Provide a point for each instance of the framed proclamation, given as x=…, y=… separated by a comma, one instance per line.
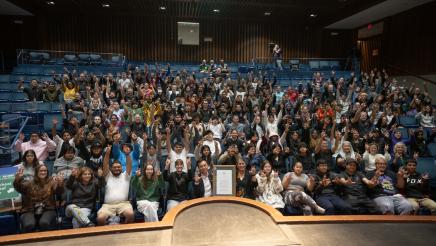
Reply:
x=224, y=180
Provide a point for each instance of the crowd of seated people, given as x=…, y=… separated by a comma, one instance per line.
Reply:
x=333, y=146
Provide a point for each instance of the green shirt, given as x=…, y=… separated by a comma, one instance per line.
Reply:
x=151, y=192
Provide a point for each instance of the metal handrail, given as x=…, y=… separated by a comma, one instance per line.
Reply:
x=73, y=52
x=23, y=124
x=409, y=73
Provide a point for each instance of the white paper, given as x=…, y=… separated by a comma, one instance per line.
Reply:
x=224, y=181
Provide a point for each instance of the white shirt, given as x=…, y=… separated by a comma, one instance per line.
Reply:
x=217, y=130
x=124, y=83
x=118, y=113
x=117, y=188
x=207, y=186
x=182, y=156
x=59, y=141
x=211, y=145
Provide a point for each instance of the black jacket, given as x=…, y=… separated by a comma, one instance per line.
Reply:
x=178, y=185
x=199, y=189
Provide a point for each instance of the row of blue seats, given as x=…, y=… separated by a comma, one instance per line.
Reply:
x=13, y=97
x=36, y=57
x=38, y=121
x=27, y=78
x=43, y=71
x=30, y=107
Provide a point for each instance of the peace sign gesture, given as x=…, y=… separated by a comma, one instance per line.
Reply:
x=20, y=173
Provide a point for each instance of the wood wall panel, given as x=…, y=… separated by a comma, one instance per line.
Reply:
x=410, y=40
x=369, y=60
x=148, y=38
x=408, y=43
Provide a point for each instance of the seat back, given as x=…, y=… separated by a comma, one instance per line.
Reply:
x=427, y=165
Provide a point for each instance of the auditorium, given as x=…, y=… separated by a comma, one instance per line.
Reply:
x=217, y=122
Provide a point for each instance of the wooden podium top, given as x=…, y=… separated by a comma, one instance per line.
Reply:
x=169, y=220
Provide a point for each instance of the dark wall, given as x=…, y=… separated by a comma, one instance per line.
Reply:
x=14, y=36
x=145, y=38
x=408, y=42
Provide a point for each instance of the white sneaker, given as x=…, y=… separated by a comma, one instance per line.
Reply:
x=319, y=210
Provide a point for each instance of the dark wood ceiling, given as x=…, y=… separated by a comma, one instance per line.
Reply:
x=291, y=11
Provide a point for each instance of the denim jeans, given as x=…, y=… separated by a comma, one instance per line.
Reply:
x=333, y=204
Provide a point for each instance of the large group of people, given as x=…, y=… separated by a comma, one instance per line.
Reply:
x=331, y=146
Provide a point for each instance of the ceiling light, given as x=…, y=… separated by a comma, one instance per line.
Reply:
x=267, y=13
x=162, y=8
x=216, y=10
x=313, y=15
x=105, y=5
x=50, y=3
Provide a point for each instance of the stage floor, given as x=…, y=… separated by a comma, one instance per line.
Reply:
x=237, y=224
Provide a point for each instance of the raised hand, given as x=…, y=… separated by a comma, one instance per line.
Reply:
x=262, y=174
x=44, y=136
x=21, y=137
x=100, y=172
x=188, y=163
x=167, y=164
x=325, y=181
x=20, y=173
x=252, y=171
x=337, y=180
x=275, y=174
x=55, y=121
x=138, y=172
x=425, y=176
x=378, y=173
x=311, y=179
x=59, y=179
x=197, y=179
x=349, y=181
x=75, y=173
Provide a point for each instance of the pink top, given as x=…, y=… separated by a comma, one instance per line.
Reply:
x=41, y=148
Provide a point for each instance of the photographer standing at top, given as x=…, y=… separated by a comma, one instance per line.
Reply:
x=277, y=55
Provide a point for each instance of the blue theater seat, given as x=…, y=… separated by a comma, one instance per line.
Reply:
x=427, y=165
x=408, y=121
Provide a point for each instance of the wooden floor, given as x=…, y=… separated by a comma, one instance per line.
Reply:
x=234, y=221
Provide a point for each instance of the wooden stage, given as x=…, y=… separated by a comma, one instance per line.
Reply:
x=237, y=221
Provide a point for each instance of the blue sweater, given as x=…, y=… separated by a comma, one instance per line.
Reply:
x=119, y=155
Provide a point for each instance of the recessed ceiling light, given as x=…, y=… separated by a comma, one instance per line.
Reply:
x=313, y=15
x=105, y=5
x=216, y=10
x=50, y=3
x=267, y=13
x=162, y=8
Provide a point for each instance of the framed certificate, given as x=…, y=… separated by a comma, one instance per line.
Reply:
x=224, y=180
